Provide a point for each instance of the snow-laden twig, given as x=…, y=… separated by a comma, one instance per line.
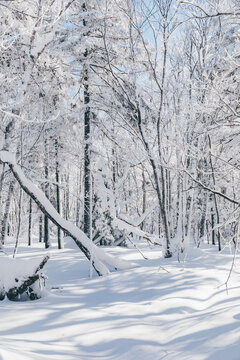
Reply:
x=212, y=190
x=136, y=247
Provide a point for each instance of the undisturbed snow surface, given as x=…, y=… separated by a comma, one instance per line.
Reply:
x=144, y=313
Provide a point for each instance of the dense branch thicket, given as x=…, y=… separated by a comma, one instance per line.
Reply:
x=126, y=115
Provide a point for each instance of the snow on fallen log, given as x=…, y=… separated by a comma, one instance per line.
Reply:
x=21, y=279
x=98, y=257
x=16, y=291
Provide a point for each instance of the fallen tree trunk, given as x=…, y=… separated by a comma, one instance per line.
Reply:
x=96, y=255
x=14, y=292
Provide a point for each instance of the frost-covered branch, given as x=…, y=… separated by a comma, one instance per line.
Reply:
x=212, y=190
x=206, y=14
x=99, y=258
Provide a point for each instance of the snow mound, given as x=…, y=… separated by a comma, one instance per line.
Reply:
x=13, y=272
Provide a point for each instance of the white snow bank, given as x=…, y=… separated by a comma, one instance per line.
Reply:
x=146, y=313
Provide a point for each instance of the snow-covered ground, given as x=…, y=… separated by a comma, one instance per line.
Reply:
x=143, y=313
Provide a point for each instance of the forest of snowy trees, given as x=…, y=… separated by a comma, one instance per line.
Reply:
x=124, y=115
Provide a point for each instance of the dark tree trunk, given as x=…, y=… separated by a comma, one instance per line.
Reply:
x=58, y=202
x=30, y=223
x=159, y=179
x=87, y=130
x=213, y=224
x=164, y=212
x=215, y=197
x=46, y=231
x=46, y=189
x=40, y=228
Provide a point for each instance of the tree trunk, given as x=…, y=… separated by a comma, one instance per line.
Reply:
x=40, y=228
x=19, y=222
x=46, y=189
x=77, y=199
x=66, y=208
x=215, y=198
x=144, y=197
x=58, y=202
x=1, y=186
x=87, y=130
x=6, y=212
x=160, y=185
x=30, y=223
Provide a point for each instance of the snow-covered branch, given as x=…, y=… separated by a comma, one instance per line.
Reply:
x=97, y=255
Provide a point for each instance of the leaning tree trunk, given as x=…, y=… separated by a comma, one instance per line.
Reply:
x=99, y=259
